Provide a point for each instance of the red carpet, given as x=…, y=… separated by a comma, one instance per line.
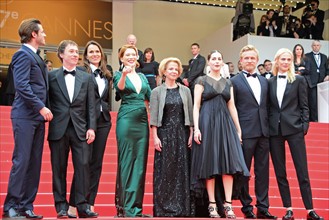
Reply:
x=317, y=142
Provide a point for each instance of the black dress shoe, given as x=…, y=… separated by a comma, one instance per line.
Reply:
x=312, y=215
x=30, y=214
x=62, y=214
x=249, y=214
x=265, y=215
x=88, y=214
x=289, y=215
x=71, y=215
x=12, y=213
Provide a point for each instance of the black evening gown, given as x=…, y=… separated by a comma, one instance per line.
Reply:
x=220, y=151
x=171, y=186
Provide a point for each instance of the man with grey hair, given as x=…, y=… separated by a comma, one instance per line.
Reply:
x=318, y=71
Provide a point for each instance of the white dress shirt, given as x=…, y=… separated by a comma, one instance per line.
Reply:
x=281, y=87
x=70, y=82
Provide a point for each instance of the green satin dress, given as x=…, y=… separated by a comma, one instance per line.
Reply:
x=132, y=133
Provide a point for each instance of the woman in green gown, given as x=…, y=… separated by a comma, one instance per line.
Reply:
x=132, y=133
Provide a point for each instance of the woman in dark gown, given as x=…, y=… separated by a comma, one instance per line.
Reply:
x=150, y=68
x=132, y=135
x=171, y=121
x=217, y=150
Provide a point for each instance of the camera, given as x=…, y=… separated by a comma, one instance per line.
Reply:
x=308, y=8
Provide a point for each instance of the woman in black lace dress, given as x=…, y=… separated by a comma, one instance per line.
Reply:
x=171, y=121
x=217, y=135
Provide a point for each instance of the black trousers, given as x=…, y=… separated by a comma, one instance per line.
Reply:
x=257, y=148
x=298, y=152
x=313, y=103
x=59, y=158
x=96, y=161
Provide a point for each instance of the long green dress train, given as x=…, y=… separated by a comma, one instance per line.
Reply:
x=132, y=133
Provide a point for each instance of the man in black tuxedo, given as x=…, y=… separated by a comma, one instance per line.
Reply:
x=28, y=114
x=196, y=68
x=250, y=94
x=317, y=73
x=285, y=23
x=268, y=69
x=289, y=121
x=72, y=101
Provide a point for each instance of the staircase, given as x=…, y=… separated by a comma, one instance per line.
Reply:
x=317, y=141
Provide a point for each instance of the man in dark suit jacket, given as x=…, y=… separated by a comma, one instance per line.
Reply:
x=250, y=94
x=196, y=68
x=28, y=114
x=72, y=101
x=313, y=20
x=317, y=73
x=285, y=23
x=268, y=68
x=288, y=117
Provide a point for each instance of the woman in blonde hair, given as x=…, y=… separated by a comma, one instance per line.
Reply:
x=132, y=134
x=171, y=122
x=289, y=121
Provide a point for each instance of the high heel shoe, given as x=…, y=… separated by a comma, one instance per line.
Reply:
x=228, y=210
x=213, y=211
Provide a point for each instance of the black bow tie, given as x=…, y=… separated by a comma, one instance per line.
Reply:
x=316, y=53
x=38, y=51
x=282, y=76
x=69, y=72
x=98, y=72
x=253, y=75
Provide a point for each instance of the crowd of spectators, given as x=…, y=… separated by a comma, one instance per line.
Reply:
x=309, y=26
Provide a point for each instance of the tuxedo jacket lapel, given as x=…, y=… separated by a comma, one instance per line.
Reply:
x=274, y=90
x=105, y=91
x=62, y=84
x=286, y=94
x=96, y=85
x=248, y=86
x=77, y=85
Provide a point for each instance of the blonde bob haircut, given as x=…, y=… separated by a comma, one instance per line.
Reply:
x=291, y=71
x=164, y=63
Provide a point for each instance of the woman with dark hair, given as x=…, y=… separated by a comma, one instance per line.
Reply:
x=217, y=151
x=95, y=63
x=150, y=67
x=301, y=63
x=261, y=26
x=132, y=133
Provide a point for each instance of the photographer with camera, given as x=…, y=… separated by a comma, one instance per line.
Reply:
x=299, y=31
x=269, y=27
x=313, y=21
x=286, y=23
